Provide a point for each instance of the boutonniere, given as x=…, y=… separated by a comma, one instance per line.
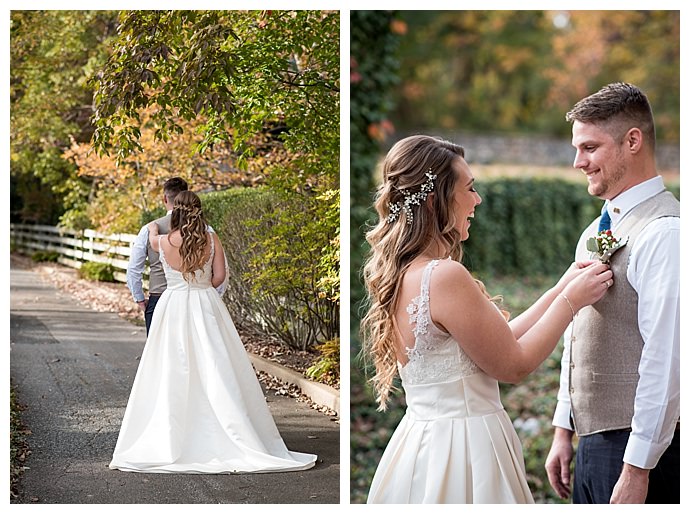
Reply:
x=605, y=245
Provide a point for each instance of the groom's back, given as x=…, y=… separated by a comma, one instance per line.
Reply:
x=157, y=283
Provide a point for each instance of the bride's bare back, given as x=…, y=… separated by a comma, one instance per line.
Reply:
x=171, y=247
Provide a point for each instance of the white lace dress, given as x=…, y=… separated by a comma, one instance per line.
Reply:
x=455, y=444
x=196, y=405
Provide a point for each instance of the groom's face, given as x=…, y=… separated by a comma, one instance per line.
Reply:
x=601, y=158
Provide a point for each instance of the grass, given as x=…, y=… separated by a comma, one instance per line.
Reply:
x=529, y=404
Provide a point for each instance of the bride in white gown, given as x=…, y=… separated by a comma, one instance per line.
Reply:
x=196, y=405
x=435, y=326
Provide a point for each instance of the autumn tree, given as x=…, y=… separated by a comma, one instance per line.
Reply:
x=261, y=84
x=641, y=47
x=52, y=54
x=129, y=193
x=520, y=71
x=270, y=74
x=476, y=70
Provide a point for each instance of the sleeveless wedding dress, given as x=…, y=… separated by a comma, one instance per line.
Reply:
x=456, y=443
x=196, y=405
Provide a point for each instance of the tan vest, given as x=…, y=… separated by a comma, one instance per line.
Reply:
x=606, y=345
x=157, y=282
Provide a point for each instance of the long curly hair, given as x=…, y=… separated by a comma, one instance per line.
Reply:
x=188, y=217
x=394, y=245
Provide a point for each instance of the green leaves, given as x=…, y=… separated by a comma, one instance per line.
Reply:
x=241, y=69
x=283, y=268
x=373, y=76
x=52, y=53
x=97, y=271
x=605, y=245
x=592, y=245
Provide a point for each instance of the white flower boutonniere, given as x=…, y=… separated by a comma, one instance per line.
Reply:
x=605, y=245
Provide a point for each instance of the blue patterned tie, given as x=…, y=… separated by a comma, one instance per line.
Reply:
x=605, y=221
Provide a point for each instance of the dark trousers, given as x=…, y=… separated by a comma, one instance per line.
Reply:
x=599, y=463
x=148, y=313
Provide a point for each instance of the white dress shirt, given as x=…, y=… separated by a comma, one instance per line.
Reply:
x=137, y=264
x=654, y=272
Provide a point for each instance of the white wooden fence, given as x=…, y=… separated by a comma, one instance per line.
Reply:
x=75, y=248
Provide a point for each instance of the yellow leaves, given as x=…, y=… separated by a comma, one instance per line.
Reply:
x=122, y=192
x=89, y=164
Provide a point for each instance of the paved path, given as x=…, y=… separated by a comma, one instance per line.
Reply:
x=74, y=368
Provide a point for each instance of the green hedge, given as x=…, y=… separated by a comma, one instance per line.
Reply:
x=229, y=212
x=274, y=266
x=523, y=227
x=527, y=226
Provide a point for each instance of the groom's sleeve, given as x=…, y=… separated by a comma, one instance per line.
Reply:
x=137, y=262
x=562, y=417
x=654, y=272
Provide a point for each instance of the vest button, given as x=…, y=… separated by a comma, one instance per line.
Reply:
x=572, y=365
x=572, y=390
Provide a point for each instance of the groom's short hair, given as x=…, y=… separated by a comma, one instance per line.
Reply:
x=620, y=106
x=174, y=186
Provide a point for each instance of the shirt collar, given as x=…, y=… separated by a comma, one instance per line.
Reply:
x=169, y=212
x=621, y=205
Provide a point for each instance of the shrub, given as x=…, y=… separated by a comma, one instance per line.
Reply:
x=274, y=244
x=527, y=226
x=45, y=256
x=327, y=367
x=228, y=213
x=98, y=271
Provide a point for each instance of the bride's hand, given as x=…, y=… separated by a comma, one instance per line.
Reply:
x=153, y=228
x=572, y=272
x=589, y=285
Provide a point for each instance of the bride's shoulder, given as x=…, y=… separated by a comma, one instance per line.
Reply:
x=445, y=276
x=449, y=269
x=449, y=277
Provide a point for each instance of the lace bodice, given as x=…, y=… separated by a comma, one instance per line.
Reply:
x=174, y=278
x=435, y=356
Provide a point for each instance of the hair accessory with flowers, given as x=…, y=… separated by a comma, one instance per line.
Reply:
x=605, y=245
x=411, y=199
